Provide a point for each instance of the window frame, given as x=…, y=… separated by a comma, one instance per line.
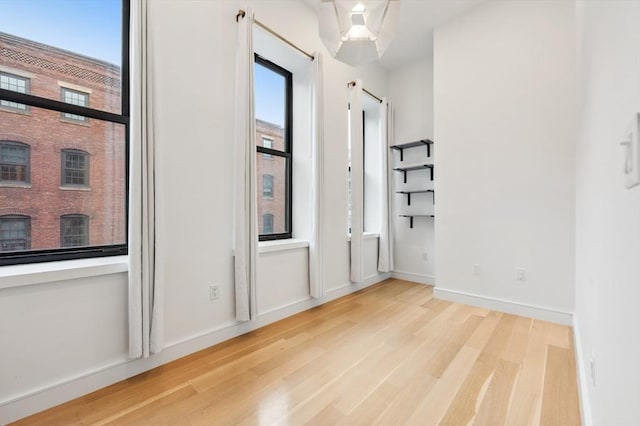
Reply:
x=63, y=167
x=77, y=118
x=267, y=178
x=85, y=225
x=27, y=81
x=287, y=153
x=22, y=217
x=27, y=148
x=264, y=217
x=270, y=140
x=123, y=118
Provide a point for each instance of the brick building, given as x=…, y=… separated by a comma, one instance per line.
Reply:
x=271, y=176
x=62, y=176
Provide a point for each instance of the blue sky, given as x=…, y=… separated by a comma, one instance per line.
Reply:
x=270, y=95
x=90, y=27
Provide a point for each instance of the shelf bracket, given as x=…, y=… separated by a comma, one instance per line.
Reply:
x=405, y=176
x=411, y=222
x=428, y=150
x=408, y=198
x=431, y=170
x=401, y=154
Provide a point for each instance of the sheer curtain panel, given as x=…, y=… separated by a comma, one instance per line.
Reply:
x=385, y=248
x=357, y=174
x=146, y=280
x=245, y=227
x=316, y=248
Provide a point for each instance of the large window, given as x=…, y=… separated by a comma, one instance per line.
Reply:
x=15, y=84
x=75, y=168
x=74, y=230
x=14, y=163
x=69, y=85
x=273, y=99
x=15, y=233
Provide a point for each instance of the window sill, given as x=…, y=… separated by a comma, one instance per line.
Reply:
x=366, y=236
x=281, y=245
x=74, y=188
x=41, y=273
x=15, y=185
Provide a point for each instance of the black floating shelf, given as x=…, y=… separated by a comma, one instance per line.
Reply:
x=422, y=142
x=419, y=191
x=416, y=167
x=411, y=216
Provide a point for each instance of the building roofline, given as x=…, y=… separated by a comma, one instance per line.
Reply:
x=38, y=45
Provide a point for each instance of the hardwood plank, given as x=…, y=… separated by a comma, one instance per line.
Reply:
x=560, y=398
x=390, y=354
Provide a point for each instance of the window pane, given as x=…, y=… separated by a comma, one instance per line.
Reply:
x=14, y=162
x=270, y=99
x=93, y=183
x=74, y=231
x=272, y=194
x=14, y=233
x=37, y=40
x=15, y=84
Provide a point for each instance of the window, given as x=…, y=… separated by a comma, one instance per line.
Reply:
x=15, y=84
x=267, y=223
x=15, y=233
x=75, y=97
x=267, y=186
x=74, y=230
x=273, y=103
x=267, y=143
x=75, y=168
x=58, y=75
x=14, y=162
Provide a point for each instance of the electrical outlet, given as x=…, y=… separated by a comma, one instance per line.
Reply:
x=592, y=369
x=521, y=275
x=476, y=269
x=214, y=292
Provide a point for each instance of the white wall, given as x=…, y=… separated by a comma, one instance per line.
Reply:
x=69, y=338
x=504, y=77
x=411, y=94
x=608, y=215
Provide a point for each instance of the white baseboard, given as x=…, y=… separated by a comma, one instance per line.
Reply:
x=53, y=394
x=508, y=306
x=417, y=278
x=583, y=375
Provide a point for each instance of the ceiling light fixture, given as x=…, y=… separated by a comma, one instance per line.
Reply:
x=358, y=31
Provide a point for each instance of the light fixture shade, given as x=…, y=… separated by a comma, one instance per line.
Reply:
x=358, y=31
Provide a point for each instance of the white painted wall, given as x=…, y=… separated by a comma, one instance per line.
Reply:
x=69, y=338
x=608, y=216
x=411, y=95
x=504, y=77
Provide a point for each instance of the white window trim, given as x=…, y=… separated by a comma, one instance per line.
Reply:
x=46, y=272
x=281, y=245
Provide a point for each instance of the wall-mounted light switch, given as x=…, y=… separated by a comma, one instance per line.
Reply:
x=631, y=154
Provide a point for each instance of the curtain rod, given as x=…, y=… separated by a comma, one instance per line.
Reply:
x=353, y=83
x=241, y=14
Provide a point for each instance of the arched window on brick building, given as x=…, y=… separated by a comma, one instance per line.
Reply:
x=15, y=233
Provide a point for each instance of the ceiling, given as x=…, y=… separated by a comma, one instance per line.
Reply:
x=414, y=36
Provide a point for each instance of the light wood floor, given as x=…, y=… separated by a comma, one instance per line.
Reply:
x=387, y=355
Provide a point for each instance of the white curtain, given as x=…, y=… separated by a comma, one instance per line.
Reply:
x=357, y=177
x=385, y=248
x=146, y=281
x=245, y=226
x=316, y=252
